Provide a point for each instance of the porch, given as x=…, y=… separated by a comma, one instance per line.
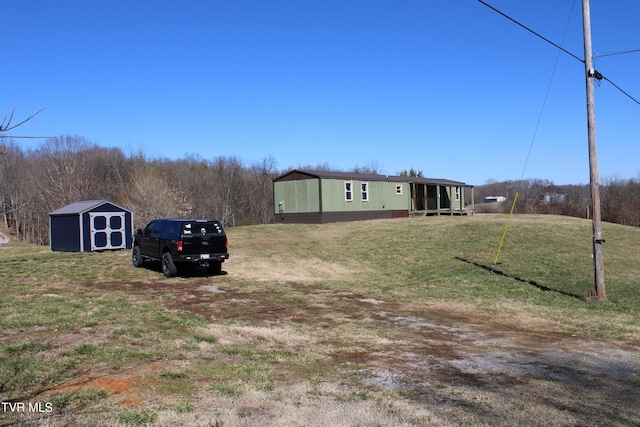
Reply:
x=441, y=199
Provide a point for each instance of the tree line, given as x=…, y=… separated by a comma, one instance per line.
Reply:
x=619, y=199
x=67, y=169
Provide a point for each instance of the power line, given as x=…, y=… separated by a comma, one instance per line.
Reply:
x=601, y=55
x=546, y=96
x=532, y=32
x=620, y=89
x=596, y=74
x=29, y=137
x=600, y=77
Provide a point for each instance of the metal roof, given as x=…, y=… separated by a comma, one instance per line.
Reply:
x=369, y=177
x=81, y=207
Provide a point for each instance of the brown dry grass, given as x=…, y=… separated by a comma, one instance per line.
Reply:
x=293, y=335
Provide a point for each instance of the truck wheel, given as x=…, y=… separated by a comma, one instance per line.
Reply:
x=136, y=257
x=169, y=269
x=214, y=267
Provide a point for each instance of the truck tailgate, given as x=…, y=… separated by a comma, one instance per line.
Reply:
x=203, y=239
x=204, y=244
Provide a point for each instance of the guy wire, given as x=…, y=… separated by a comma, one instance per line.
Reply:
x=535, y=132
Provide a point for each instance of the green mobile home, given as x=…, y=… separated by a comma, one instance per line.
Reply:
x=318, y=196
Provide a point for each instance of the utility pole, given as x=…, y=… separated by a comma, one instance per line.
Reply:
x=591, y=74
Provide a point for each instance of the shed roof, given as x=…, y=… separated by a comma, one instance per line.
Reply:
x=301, y=173
x=81, y=207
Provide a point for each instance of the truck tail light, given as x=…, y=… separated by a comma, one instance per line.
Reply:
x=226, y=244
x=179, y=245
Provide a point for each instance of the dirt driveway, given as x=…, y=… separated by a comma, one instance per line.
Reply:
x=458, y=364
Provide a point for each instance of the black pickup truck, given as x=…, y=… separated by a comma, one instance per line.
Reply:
x=180, y=241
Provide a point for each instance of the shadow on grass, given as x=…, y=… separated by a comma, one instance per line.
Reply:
x=184, y=270
x=493, y=270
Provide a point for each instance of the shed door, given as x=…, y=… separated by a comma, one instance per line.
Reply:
x=107, y=230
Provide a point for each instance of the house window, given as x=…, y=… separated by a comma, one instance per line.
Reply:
x=399, y=190
x=348, y=191
x=365, y=191
x=457, y=193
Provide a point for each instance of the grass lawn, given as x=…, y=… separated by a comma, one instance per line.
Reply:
x=389, y=322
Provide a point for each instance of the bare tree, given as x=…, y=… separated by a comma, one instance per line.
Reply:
x=64, y=173
x=149, y=194
x=5, y=126
x=12, y=166
x=227, y=187
x=260, y=191
x=8, y=118
x=620, y=201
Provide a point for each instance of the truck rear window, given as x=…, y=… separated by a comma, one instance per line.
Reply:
x=202, y=228
x=172, y=230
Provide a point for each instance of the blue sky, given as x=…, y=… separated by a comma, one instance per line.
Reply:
x=447, y=87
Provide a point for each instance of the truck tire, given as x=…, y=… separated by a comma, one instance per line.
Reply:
x=136, y=257
x=169, y=269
